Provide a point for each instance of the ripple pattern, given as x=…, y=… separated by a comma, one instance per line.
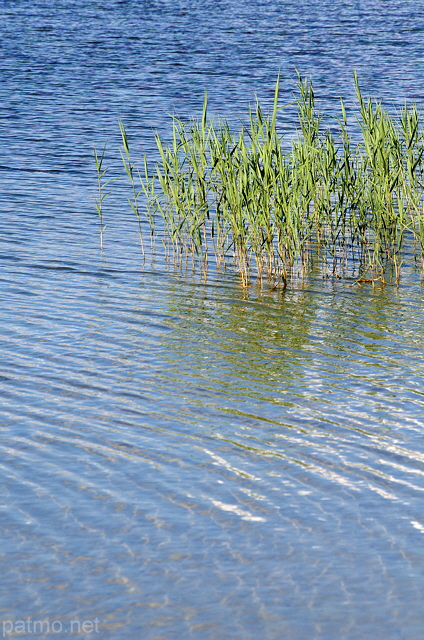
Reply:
x=181, y=459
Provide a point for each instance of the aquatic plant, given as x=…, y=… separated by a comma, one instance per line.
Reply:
x=273, y=208
x=101, y=172
x=130, y=170
x=101, y=196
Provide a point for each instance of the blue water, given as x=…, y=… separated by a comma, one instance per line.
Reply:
x=181, y=458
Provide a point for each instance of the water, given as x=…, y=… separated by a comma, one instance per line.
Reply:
x=182, y=459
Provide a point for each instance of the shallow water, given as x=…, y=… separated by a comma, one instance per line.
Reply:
x=182, y=458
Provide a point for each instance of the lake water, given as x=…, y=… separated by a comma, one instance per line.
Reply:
x=180, y=458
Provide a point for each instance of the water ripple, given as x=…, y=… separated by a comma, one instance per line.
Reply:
x=181, y=458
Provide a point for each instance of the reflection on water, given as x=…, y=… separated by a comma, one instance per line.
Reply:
x=246, y=459
x=182, y=459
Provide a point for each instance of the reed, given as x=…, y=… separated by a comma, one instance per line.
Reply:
x=272, y=207
x=131, y=171
x=101, y=194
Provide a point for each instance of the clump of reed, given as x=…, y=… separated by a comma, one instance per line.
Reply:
x=272, y=208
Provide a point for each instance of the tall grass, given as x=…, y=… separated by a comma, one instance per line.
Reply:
x=270, y=206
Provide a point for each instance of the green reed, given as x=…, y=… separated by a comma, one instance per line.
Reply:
x=131, y=171
x=272, y=207
x=101, y=194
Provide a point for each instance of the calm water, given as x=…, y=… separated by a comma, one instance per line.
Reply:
x=182, y=459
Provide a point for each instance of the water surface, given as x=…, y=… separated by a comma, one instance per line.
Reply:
x=181, y=458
